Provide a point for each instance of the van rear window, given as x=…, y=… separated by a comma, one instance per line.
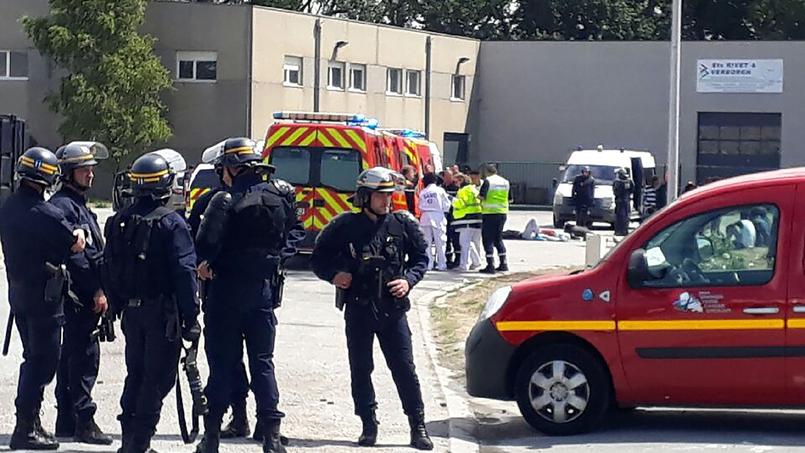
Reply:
x=340, y=168
x=293, y=165
x=205, y=178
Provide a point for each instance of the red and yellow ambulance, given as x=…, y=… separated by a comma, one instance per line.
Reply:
x=322, y=154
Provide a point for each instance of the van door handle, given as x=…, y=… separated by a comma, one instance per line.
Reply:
x=761, y=311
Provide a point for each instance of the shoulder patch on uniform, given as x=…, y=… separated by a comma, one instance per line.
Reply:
x=283, y=186
x=404, y=216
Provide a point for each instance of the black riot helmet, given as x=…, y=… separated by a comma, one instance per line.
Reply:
x=79, y=154
x=38, y=165
x=238, y=152
x=151, y=176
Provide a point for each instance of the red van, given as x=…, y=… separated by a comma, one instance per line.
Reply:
x=693, y=308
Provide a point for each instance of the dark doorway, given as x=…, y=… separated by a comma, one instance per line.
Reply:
x=732, y=144
x=456, y=148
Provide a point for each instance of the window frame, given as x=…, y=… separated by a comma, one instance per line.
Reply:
x=453, y=79
x=718, y=214
x=288, y=67
x=336, y=65
x=361, y=67
x=195, y=57
x=7, y=75
x=418, y=92
x=389, y=90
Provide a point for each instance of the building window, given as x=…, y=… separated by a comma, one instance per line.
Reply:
x=200, y=66
x=413, y=82
x=335, y=75
x=732, y=144
x=459, y=84
x=292, y=70
x=357, y=77
x=13, y=64
x=394, y=81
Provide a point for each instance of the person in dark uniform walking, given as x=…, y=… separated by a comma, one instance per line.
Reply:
x=374, y=258
x=622, y=188
x=81, y=353
x=247, y=232
x=150, y=265
x=37, y=240
x=583, y=196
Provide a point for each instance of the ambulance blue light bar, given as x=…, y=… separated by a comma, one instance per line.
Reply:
x=321, y=116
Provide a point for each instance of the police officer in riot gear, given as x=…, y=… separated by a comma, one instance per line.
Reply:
x=247, y=231
x=238, y=426
x=37, y=240
x=150, y=267
x=622, y=188
x=375, y=258
x=80, y=355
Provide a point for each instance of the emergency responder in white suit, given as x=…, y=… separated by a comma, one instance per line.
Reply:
x=434, y=204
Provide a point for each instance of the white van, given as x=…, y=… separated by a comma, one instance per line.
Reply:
x=603, y=165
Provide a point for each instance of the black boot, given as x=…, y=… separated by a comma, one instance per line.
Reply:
x=26, y=437
x=65, y=423
x=272, y=442
x=258, y=431
x=212, y=435
x=490, y=267
x=419, y=434
x=503, y=267
x=239, y=425
x=140, y=440
x=41, y=430
x=88, y=432
x=125, y=434
x=369, y=433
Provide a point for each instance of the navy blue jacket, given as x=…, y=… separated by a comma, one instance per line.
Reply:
x=32, y=232
x=83, y=266
x=172, y=254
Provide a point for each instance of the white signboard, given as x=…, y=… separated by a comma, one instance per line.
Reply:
x=739, y=76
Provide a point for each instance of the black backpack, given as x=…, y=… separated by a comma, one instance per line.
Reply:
x=127, y=271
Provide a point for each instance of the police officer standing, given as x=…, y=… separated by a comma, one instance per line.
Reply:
x=622, y=188
x=374, y=258
x=246, y=233
x=151, y=269
x=36, y=240
x=583, y=196
x=80, y=355
x=494, y=196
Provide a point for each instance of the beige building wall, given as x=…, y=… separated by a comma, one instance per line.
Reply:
x=278, y=34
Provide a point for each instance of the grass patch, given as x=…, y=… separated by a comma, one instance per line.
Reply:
x=100, y=204
x=454, y=316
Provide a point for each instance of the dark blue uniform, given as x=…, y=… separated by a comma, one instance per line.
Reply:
x=397, y=242
x=240, y=380
x=239, y=305
x=151, y=322
x=34, y=232
x=80, y=355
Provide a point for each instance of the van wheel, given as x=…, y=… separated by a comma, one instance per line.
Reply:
x=562, y=390
x=558, y=223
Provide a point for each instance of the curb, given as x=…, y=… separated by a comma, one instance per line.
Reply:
x=462, y=424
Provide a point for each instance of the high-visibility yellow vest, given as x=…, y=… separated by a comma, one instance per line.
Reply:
x=466, y=203
x=497, y=197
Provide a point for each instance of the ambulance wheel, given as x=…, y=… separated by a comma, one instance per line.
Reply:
x=558, y=223
x=562, y=390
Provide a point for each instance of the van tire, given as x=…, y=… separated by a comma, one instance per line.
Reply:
x=558, y=223
x=569, y=376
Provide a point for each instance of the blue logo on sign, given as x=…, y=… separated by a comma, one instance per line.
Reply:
x=587, y=295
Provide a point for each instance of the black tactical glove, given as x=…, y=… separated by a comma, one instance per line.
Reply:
x=191, y=330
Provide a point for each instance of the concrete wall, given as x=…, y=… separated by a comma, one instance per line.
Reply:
x=278, y=33
x=204, y=113
x=535, y=101
x=25, y=98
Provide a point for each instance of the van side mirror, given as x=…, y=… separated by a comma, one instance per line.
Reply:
x=554, y=183
x=562, y=167
x=638, y=269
